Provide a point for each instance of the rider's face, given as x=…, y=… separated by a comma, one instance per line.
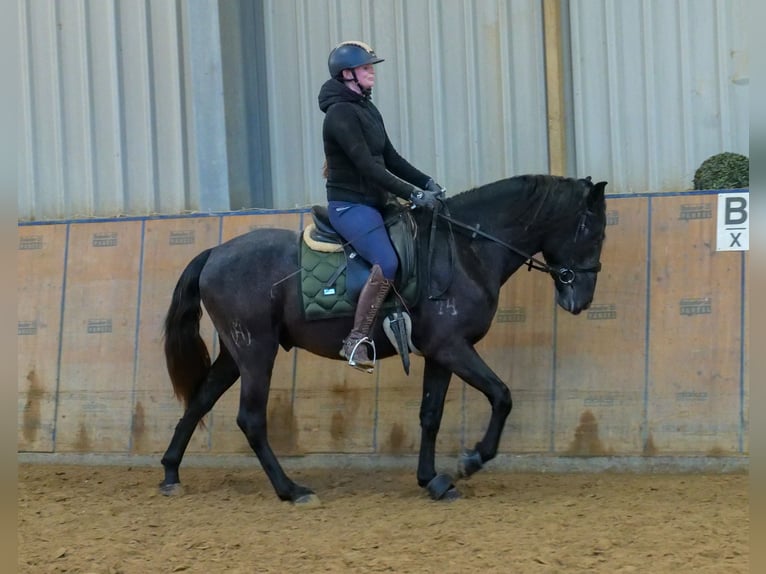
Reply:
x=365, y=75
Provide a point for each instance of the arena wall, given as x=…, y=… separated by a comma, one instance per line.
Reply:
x=657, y=367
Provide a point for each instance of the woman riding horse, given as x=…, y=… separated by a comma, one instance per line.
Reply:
x=249, y=286
x=362, y=168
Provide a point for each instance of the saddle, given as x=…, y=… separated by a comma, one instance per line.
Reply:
x=333, y=274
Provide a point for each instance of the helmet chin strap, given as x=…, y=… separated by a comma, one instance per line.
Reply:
x=366, y=92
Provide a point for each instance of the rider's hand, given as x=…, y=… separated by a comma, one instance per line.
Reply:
x=431, y=185
x=423, y=198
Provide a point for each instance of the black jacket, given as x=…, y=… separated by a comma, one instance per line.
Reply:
x=360, y=157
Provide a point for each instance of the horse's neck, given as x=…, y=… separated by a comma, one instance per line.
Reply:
x=502, y=262
x=493, y=250
x=523, y=223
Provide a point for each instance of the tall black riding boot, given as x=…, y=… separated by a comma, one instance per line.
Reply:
x=371, y=299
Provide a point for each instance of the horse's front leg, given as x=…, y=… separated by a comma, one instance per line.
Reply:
x=469, y=366
x=436, y=379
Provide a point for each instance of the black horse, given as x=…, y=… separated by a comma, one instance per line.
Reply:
x=492, y=231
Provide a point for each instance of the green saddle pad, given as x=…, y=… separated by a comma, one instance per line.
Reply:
x=326, y=293
x=322, y=299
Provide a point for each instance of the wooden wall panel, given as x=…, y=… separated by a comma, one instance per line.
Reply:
x=600, y=354
x=694, y=331
x=226, y=437
x=658, y=365
x=168, y=246
x=744, y=434
x=99, y=337
x=40, y=280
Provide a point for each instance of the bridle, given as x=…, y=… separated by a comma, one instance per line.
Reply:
x=564, y=274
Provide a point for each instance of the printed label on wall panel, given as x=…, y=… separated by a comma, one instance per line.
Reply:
x=690, y=212
x=512, y=315
x=601, y=312
x=27, y=328
x=107, y=239
x=99, y=326
x=696, y=306
x=30, y=242
x=733, y=222
x=181, y=237
x=693, y=396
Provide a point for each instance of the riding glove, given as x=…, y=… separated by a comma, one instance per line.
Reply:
x=431, y=185
x=423, y=198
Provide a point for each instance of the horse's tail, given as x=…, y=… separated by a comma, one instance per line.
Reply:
x=186, y=354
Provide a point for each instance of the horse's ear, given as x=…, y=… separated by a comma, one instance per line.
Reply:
x=596, y=194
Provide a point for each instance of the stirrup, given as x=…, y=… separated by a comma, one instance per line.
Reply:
x=353, y=363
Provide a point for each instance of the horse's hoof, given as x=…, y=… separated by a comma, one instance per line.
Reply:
x=309, y=500
x=451, y=494
x=175, y=489
x=469, y=463
x=441, y=488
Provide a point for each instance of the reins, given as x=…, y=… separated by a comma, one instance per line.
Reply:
x=531, y=261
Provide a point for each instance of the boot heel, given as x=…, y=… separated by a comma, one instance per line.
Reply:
x=371, y=298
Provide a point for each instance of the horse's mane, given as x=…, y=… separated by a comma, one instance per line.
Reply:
x=524, y=197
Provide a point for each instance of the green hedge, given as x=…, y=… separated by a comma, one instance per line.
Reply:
x=725, y=170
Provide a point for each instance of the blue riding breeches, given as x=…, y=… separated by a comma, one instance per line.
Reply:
x=362, y=226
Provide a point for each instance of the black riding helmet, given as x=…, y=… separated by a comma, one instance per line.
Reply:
x=348, y=55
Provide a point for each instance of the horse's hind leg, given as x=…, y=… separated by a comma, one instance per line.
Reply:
x=223, y=374
x=254, y=394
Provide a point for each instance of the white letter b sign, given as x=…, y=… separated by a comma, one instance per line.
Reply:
x=733, y=222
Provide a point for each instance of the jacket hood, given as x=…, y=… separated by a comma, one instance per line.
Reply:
x=333, y=92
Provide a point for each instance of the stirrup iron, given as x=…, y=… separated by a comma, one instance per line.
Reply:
x=353, y=363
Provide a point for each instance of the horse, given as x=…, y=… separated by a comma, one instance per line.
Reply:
x=470, y=248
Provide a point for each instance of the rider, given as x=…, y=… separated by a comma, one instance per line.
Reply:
x=362, y=169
